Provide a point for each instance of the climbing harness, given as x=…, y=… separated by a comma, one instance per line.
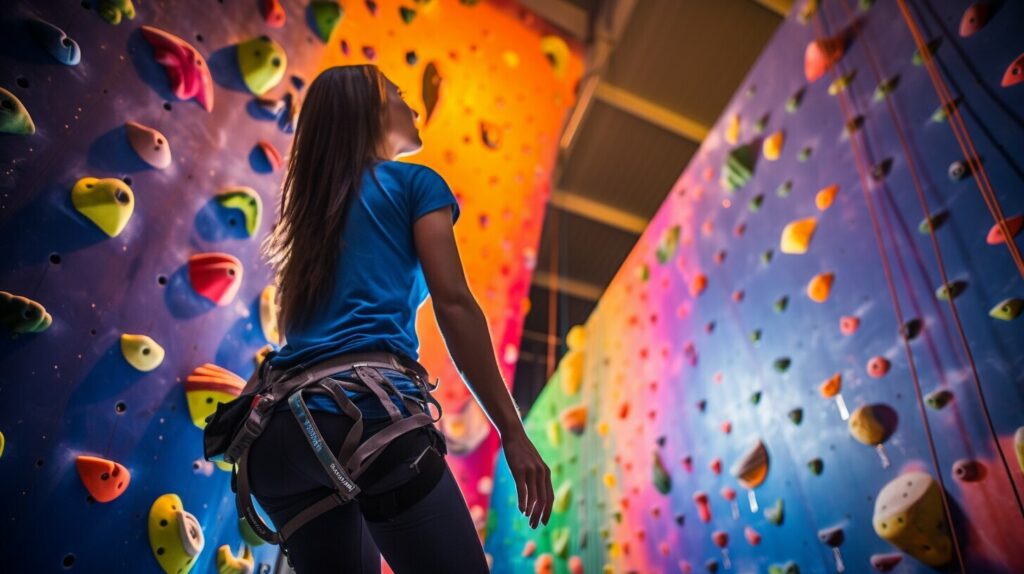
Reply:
x=236, y=425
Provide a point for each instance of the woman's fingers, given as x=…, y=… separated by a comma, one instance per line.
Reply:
x=550, y=496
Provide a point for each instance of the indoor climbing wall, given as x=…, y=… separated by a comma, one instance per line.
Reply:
x=813, y=359
x=142, y=149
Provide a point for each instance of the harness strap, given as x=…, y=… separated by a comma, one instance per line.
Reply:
x=376, y=383
x=343, y=483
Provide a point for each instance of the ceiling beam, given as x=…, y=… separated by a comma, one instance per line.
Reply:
x=599, y=212
x=561, y=13
x=651, y=112
x=780, y=7
x=574, y=287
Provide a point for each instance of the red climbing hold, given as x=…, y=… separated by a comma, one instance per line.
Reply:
x=821, y=55
x=878, y=366
x=716, y=466
x=186, y=68
x=216, y=276
x=974, y=19
x=273, y=13
x=701, y=499
x=270, y=154
x=104, y=479
x=848, y=324
x=752, y=536
x=1015, y=73
x=688, y=463
x=1013, y=224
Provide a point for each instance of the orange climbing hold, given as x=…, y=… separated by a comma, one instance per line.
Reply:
x=820, y=286
x=796, y=237
x=698, y=284
x=1015, y=73
x=574, y=419
x=823, y=200
x=215, y=276
x=273, y=13
x=1013, y=225
x=772, y=146
x=821, y=55
x=831, y=387
x=104, y=479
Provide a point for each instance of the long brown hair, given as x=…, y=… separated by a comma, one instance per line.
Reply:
x=338, y=134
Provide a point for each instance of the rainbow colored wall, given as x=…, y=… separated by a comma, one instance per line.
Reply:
x=743, y=392
x=99, y=271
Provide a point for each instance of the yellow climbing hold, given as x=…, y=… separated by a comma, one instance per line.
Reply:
x=820, y=286
x=262, y=62
x=268, y=315
x=174, y=535
x=732, y=129
x=796, y=236
x=865, y=426
x=909, y=515
x=841, y=83
x=107, y=202
x=14, y=118
x=3, y=442
x=246, y=200
x=23, y=315
x=772, y=147
x=609, y=480
x=228, y=563
x=208, y=386
x=825, y=197
x=141, y=352
x=1018, y=445
x=563, y=496
x=554, y=432
x=602, y=428
x=557, y=52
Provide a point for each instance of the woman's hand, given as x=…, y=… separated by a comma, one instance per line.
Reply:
x=532, y=476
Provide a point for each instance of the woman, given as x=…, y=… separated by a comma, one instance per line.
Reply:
x=360, y=241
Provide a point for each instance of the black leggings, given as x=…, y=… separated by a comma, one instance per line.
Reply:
x=434, y=534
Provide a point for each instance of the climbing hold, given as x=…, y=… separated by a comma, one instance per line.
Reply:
x=215, y=276
x=1013, y=225
x=268, y=315
x=407, y=14
x=751, y=469
x=950, y=290
x=772, y=146
x=716, y=466
x=775, y=514
x=938, y=399
x=821, y=55
x=1007, y=309
x=563, y=496
x=662, y=479
x=885, y=562
x=262, y=63
x=249, y=535
x=175, y=536
x=207, y=386
x=114, y=10
x=796, y=416
x=432, y=81
x=781, y=364
x=878, y=366
x=698, y=284
x=14, y=118
x=755, y=397
x=687, y=462
x=23, y=315
x=784, y=189
x=575, y=565
x=796, y=236
x=852, y=126
x=667, y=244
x=325, y=15
x=141, y=352
x=552, y=429
x=911, y=329
x=787, y=568
x=150, y=144
x=909, y=515
x=761, y=123
x=918, y=58
x=865, y=426
x=712, y=565
x=55, y=42
x=958, y=170
x=794, y=101
x=755, y=337
x=881, y=170
x=848, y=324
x=780, y=304
x=738, y=168
x=974, y=19
x=831, y=386
x=752, y=536
x=942, y=112
x=726, y=427
x=556, y=51
x=411, y=58
x=886, y=87
x=820, y=286
x=933, y=222
x=529, y=548
x=700, y=498
x=732, y=129
x=186, y=68
x=966, y=470
x=1018, y=446
x=246, y=200
x=269, y=154
x=104, y=479
x=107, y=202
x=560, y=541
x=273, y=13
x=805, y=153
x=833, y=537
x=574, y=419
x=3, y=442
x=816, y=466
x=228, y=563
x=824, y=198
x=1014, y=73
x=490, y=134
x=840, y=84
x=271, y=108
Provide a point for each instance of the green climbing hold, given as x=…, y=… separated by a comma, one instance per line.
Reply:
x=804, y=154
x=885, y=87
x=755, y=336
x=780, y=304
x=787, y=568
x=911, y=329
x=781, y=364
x=107, y=202
x=942, y=112
x=754, y=205
x=560, y=541
x=249, y=535
x=930, y=49
x=784, y=188
x=865, y=5
x=796, y=416
x=761, y=123
x=816, y=465
x=938, y=399
x=667, y=246
x=1007, y=309
x=794, y=101
x=326, y=15
x=114, y=10
x=766, y=256
x=951, y=290
x=23, y=315
x=755, y=398
x=262, y=62
x=563, y=496
x=932, y=223
x=775, y=513
x=14, y=118
x=246, y=200
x=662, y=480
x=738, y=168
x=407, y=14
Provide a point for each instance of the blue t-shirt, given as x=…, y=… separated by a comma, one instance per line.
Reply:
x=379, y=283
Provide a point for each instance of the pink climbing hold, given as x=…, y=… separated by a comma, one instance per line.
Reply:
x=703, y=508
x=974, y=19
x=752, y=536
x=1015, y=73
x=878, y=366
x=821, y=55
x=575, y=565
x=104, y=479
x=270, y=154
x=716, y=466
x=273, y=13
x=728, y=493
x=885, y=562
x=185, y=67
x=1013, y=225
x=687, y=463
x=848, y=324
x=727, y=427
x=215, y=276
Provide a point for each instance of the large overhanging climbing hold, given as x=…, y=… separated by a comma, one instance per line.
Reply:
x=822, y=54
x=114, y=11
x=465, y=428
x=738, y=167
x=432, y=82
x=14, y=118
x=186, y=68
x=268, y=315
x=262, y=62
x=325, y=17
x=556, y=51
x=228, y=563
x=23, y=315
x=151, y=145
x=175, y=536
x=247, y=201
x=141, y=352
x=1014, y=73
x=215, y=276
x=107, y=202
x=796, y=236
x=104, y=479
x=56, y=42
x=208, y=386
x=909, y=515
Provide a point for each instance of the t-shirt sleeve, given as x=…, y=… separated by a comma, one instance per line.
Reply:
x=431, y=192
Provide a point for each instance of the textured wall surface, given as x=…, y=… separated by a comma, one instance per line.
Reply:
x=68, y=390
x=693, y=356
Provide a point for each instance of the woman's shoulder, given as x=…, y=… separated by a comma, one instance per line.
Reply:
x=408, y=170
